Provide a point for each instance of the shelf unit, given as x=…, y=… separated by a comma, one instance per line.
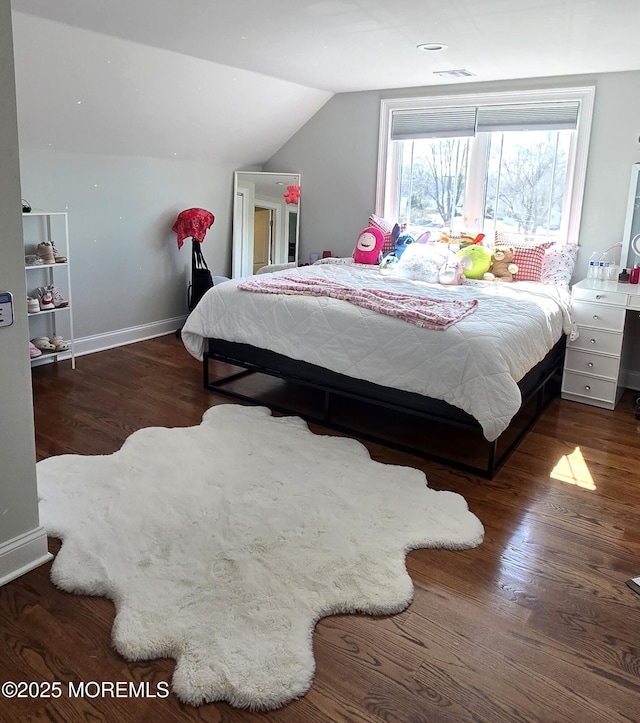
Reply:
x=49, y=226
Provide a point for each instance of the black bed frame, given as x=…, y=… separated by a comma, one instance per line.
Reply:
x=538, y=388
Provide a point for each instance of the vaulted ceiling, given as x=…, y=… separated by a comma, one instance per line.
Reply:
x=233, y=81
x=353, y=45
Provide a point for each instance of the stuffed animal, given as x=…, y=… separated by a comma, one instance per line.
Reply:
x=388, y=263
x=424, y=238
x=292, y=194
x=462, y=239
x=452, y=270
x=403, y=240
x=431, y=262
x=368, y=248
x=478, y=262
x=502, y=268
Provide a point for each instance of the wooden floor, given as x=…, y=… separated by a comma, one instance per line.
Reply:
x=536, y=624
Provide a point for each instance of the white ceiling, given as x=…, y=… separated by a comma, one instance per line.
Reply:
x=371, y=44
x=84, y=92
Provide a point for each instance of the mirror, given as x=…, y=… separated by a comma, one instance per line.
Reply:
x=630, y=255
x=266, y=220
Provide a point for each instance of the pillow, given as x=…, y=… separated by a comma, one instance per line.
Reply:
x=559, y=263
x=389, y=229
x=529, y=257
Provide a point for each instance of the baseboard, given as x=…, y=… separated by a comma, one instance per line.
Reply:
x=630, y=379
x=120, y=337
x=633, y=380
x=22, y=554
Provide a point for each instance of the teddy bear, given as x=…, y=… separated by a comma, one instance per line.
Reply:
x=502, y=267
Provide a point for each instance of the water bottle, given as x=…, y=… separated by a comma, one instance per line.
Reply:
x=593, y=265
x=599, y=270
x=605, y=265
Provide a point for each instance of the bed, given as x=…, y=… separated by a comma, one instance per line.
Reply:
x=476, y=375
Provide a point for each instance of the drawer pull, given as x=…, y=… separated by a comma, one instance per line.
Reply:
x=592, y=341
x=596, y=317
x=587, y=388
x=590, y=364
x=599, y=296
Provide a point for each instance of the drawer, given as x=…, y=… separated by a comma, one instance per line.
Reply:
x=600, y=296
x=599, y=316
x=605, y=342
x=588, y=363
x=634, y=302
x=589, y=387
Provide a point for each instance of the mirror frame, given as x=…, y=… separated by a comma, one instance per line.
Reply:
x=263, y=189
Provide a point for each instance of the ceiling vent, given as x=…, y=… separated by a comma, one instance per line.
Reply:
x=462, y=73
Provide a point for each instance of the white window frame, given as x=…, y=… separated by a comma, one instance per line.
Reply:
x=577, y=161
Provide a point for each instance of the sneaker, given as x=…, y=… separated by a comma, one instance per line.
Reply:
x=45, y=251
x=33, y=307
x=32, y=260
x=45, y=300
x=34, y=351
x=58, y=299
x=59, y=258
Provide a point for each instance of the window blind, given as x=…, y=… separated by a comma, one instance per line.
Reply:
x=471, y=119
x=528, y=117
x=433, y=123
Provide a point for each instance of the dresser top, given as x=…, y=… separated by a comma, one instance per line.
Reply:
x=596, y=285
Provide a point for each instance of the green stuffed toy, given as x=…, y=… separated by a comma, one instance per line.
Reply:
x=476, y=260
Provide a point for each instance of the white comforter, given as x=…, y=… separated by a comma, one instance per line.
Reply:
x=474, y=365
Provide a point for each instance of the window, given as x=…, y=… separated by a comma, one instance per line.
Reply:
x=510, y=162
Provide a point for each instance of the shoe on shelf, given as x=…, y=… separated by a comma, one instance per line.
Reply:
x=58, y=299
x=59, y=343
x=43, y=344
x=34, y=351
x=33, y=307
x=45, y=299
x=32, y=260
x=45, y=251
x=59, y=258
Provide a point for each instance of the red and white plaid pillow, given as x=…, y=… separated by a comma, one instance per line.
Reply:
x=387, y=229
x=528, y=257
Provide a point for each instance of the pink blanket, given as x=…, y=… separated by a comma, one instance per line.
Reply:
x=419, y=310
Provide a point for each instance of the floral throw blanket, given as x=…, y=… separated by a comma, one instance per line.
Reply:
x=419, y=310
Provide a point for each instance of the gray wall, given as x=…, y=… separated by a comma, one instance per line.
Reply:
x=124, y=136
x=337, y=151
x=337, y=154
x=18, y=497
x=126, y=269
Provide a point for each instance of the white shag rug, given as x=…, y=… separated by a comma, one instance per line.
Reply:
x=221, y=545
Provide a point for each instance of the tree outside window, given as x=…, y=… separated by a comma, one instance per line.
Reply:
x=510, y=162
x=524, y=174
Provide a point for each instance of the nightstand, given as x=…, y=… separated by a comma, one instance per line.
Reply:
x=594, y=361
